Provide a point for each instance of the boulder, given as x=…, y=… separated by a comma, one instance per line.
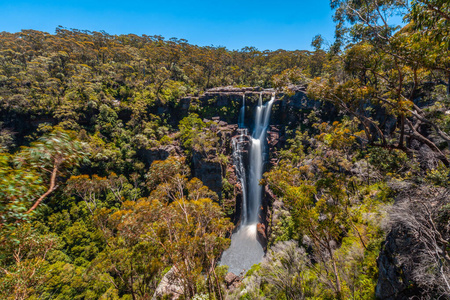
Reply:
x=233, y=281
x=170, y=286
x=230, y=278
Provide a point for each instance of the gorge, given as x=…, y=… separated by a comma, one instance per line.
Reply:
x=127, y=162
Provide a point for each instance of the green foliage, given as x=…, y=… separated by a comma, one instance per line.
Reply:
x=288, y=78
x=58, y=149
x=286, y=229
x=189, y=128
x=332, y=210
x=18, y=188
x=228, y=194
x=386, y=67
x=107, y=120
x=164, y=171
x=112, y=226
x=439, y=176
x=295, y=153
x=388, y=161
x=198, y=136
x=432, y=15
x=23, y=261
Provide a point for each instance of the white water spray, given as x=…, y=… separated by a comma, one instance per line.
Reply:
x=245, y=250
x=241, y=121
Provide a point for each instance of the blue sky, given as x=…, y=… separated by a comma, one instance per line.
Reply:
x=234, y=24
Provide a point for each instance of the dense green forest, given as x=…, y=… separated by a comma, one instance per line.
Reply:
x=361, y=185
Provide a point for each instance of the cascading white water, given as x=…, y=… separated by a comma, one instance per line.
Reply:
x=238, y=159
x=257, y=153
x=241, y=121
x=245, y=250
x=240, y=168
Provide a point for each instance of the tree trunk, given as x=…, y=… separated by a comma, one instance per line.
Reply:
x=402, y=131
x=51, y=188
x=448, y=84
x=336, y=275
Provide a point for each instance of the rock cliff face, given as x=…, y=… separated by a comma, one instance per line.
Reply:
x=225, y=102
x=412, y=259
x=160, y=153
x=265, y=217
x=394, y=279
x=209, y=171
x=215, y=168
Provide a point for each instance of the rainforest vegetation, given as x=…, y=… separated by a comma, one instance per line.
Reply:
x=362, y=197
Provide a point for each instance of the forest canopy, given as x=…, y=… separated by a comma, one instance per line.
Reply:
x=103, y=139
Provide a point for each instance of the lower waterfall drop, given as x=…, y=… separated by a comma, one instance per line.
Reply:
x=245, y=249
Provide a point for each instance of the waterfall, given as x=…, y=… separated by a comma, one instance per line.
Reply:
x=238, y=148
x=245, y=250
x=257, y=153
x=241, y=120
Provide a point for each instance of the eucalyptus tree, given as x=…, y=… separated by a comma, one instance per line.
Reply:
x=386, y=68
